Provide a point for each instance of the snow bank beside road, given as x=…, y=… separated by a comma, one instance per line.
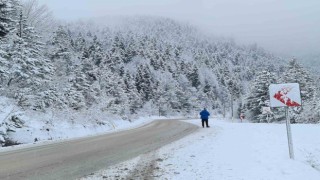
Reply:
x=26, y=127
x=231, y=151
x=38, y=131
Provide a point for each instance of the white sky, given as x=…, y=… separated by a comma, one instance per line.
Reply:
x=289, y=27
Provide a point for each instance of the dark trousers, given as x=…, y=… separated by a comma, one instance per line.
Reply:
x=205, y=121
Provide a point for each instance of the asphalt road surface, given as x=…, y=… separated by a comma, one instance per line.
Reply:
x=77, y=158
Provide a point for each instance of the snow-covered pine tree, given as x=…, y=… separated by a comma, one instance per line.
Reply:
x=4, y=19
x=60, y=45
x=95, y=52
x=116, y=54
x=295, y=73
x=9, y=10
x=315, y=118
x=29, y=71
x=116, y=97
x=211, y=93
x=80, y=44
x=169, y=98
x=184, y=103
x=258, y=96
x=131, y=50
x=8, y=24
x=145, y=82
x=193, y=77
x=31, y=37
x=60, y=50
x=134, y=99
x=85, y=79
x=155, y=60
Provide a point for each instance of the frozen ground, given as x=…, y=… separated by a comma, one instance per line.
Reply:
x=228, y=151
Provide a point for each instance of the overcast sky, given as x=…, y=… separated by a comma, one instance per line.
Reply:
x=290, y=27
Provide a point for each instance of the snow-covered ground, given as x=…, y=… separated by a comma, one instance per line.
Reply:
x=229, y=151
x=32, y=127
x=226, y=151
x=47, y=133
x=27, y=127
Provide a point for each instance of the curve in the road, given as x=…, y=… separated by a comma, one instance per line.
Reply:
x=76, y=158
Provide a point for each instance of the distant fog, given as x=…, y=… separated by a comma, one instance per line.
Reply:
x=285, y=27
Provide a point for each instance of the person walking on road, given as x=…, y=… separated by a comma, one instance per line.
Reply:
x=205, y=117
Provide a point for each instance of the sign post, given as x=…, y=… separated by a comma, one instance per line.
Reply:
x=286, y=95
x=289, y=134
x=232, y=107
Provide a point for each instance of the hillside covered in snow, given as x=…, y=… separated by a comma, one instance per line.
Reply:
x=128, y=67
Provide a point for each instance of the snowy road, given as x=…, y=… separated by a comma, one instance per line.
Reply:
x=227, y=151
x=76, y=158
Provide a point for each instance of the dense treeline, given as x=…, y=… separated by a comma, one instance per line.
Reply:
x=137, y=65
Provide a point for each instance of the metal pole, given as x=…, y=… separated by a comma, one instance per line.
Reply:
x=289, y=134
x=224, y=110
x=232, y=107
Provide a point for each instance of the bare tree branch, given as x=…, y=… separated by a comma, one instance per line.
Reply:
x=38, y=16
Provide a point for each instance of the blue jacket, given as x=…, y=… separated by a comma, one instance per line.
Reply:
x=204, y=114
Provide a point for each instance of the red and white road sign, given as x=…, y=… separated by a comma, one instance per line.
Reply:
x=285, y=95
